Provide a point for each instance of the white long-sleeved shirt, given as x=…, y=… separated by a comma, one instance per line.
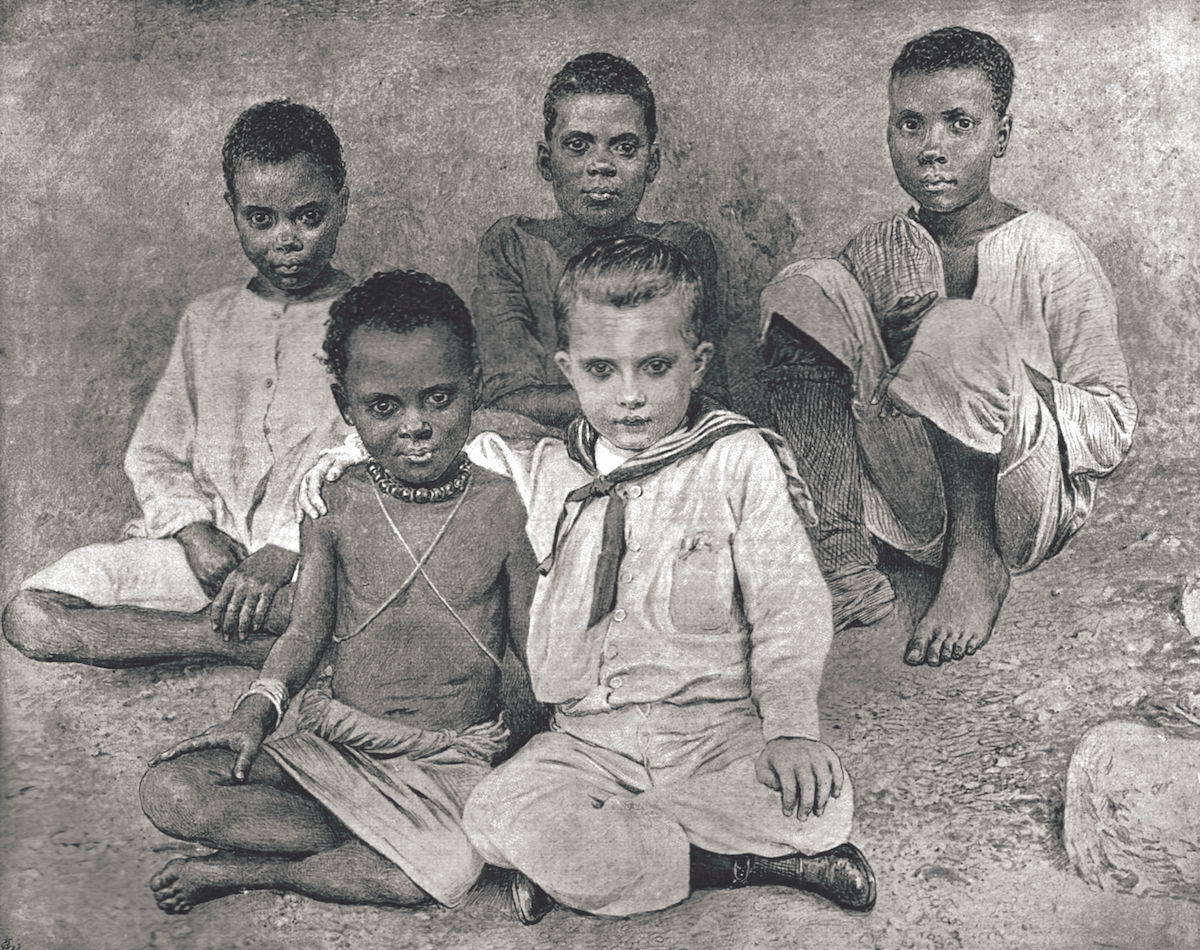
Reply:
x=238, y=416
x=719, y=596
x=1056, y=303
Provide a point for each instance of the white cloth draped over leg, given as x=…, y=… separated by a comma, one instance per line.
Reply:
x=963, y=375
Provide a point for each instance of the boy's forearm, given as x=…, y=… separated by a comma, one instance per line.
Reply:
x=294, y=658
x=554, y=406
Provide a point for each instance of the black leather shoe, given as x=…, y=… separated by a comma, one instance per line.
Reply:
x=842, y=875
x=530, y=902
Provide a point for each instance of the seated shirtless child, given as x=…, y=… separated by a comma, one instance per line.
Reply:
x=239, y=414
x=985, y=390
x=599, y=153
x=417, y=577
x=680, y=629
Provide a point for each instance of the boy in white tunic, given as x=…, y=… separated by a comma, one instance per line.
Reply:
x=240, y=412
x=680, y=628
x=987, y=385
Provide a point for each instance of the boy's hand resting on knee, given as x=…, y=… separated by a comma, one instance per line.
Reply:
x=211, y=554
x=244, y=601
x=329, y=467
x=242, y=734
x=805, y=772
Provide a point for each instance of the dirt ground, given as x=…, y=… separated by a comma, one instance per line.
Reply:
x=960, y=774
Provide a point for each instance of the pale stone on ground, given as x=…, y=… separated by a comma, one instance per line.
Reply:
x=1132, y=818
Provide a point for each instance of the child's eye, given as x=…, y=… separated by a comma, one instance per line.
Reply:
x=439, y=400
x=259, y=219
x=964, y=124
x=657, y=367
x=600, y=370
x=310, y=219
x=625, y=149
x=576, y=145
x=909, y=125
x=383, y=407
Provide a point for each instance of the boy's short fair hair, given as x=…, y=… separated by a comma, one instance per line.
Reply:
x=399, y=301
x=627, y=271
x=956, y=47
x=600, y=74
x=279, y=130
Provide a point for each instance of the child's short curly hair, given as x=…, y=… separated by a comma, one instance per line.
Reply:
x=957, y=47
x=627, y=271
x=600, y=74
x=278, y=130
x=399, y=301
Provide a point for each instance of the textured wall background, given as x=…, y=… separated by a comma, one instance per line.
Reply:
x=111, y=118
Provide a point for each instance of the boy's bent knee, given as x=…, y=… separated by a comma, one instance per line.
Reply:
x=177, y=795
x=32, y=625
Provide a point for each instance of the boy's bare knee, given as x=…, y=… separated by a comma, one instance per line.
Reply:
x=31, y=625
x=175, y=797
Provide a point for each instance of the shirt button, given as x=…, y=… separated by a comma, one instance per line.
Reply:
x=634, y=545
x=270, y=383
x=610, y=650
x=615, y=682
x=627, y=578
x=619, y=614
x=635, y=491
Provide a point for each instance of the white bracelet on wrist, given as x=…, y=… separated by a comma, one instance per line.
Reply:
x=274, y=690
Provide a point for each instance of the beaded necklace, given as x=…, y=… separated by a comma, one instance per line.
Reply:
x=389, y=484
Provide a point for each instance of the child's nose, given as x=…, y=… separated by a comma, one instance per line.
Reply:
x=933, y=149
x=287, y=238
x=413, y=425
x=632, y=397
x=600, y=165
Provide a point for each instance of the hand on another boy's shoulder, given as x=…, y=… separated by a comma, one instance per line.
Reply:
x=805, y=772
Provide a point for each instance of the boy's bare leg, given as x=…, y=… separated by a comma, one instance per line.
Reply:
x=195, y=798
x=50, y=626
x=974, y=579
x=350, y=873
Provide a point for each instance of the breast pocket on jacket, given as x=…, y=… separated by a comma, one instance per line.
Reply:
x=702, y=583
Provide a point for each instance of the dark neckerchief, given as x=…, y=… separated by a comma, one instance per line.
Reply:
x=705, y=424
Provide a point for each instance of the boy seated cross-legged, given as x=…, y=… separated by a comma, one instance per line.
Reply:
x=239, y=413
x=984, y=389
x=416, y=579
x=599, y=153
x=680, y=627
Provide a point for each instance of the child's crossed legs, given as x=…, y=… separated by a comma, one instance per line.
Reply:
x=603, y=814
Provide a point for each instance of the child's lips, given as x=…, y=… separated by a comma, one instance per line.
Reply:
x=602, y=195
x=937, y=184
x=416, y=456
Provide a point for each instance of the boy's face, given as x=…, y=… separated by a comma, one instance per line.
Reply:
x=288, y=215
x=632, y=368
x=599, y=158
x=409, y=396
x=943, y=135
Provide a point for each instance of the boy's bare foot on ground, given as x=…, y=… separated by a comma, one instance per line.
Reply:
x=186, y=882
x=963, y=613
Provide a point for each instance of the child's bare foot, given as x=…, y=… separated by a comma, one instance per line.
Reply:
x=963, y=613
x=186, y=882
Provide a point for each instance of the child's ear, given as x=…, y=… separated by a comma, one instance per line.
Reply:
x=563, y=360
x=1003, y=134
x=703, y=355
x=343, y=204
x=339, y=396
x=654, y=163
x=543, y=161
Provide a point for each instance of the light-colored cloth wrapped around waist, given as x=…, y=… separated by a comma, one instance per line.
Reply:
x=334, y=721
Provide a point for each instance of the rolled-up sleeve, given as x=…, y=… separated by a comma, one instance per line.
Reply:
x=1093, y=404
